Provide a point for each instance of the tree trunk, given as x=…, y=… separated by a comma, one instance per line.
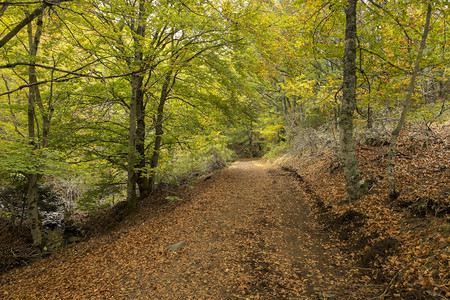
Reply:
x=132, y=152
x=284, y=105
x=167, y=86
x=393, y=194
x=33, y=216
x=369, y=117
x=136, y=97
x=141, y=177
x=355, y=186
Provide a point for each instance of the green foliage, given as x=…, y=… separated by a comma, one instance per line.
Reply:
x=248, y=77
x=105, y=190
x=194, y=163
x=430, y=113
x=24, y=159
x=277, y=150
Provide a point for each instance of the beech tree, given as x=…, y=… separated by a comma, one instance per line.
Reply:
x=136, y=103
x=153, y=42
x=33, y=68
x=302, y=48
x=355, y=186
x=39, y=159
x=34, y=98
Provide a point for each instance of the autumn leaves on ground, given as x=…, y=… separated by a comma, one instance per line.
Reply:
x=250, y=231
x=258, y=230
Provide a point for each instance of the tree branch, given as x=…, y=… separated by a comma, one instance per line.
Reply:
x=393, y=17
x=28, y=19
x=3, y=8
x=65, y=78
x=385, y=60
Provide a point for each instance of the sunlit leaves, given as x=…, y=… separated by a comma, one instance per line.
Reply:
x=23, y=159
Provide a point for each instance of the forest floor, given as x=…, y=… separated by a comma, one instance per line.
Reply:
x=259, y=230
x=402, y=243
x=251, y=232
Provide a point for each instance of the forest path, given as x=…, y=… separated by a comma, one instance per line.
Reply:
x=250, y=233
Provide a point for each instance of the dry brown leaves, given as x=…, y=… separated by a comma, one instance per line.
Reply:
x=422, y=170
x=251, y=233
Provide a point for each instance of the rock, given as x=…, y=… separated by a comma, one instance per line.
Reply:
x=177, y=246
x=52, y=220
x=72, y=234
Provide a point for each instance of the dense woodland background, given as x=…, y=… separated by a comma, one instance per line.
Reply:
x=102, y=103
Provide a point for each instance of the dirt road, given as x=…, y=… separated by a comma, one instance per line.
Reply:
x=250, y=233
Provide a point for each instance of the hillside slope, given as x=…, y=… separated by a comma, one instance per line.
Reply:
x=403, y=244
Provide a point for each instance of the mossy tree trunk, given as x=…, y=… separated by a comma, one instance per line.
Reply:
x=169, y=81
x=135, y=108
x=33, y=215
x=355, y=186
x=141, y=163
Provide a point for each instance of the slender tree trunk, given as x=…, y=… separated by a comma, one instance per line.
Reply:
x=393, y=193
x=167, y=86
x=335, y=118
x=132, y=153
x=369, y=116
x=284, y=104
x=46, y=117
x=136, y=97
x=141, y=177
x=33, y=216
x=355, y=186
x=250, y=142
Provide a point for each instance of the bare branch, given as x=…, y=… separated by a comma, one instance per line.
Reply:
x=76, y=75
x=393, y=17
x=28, y=19
x=385, y=60
x=13, y=65
x=14, y=118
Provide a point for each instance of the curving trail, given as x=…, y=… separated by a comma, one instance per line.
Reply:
x=250, y=233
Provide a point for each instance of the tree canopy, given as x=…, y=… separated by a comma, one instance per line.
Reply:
x=119, y=96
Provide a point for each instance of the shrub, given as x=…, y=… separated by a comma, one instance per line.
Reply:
x=193, y=164
x=13, y=198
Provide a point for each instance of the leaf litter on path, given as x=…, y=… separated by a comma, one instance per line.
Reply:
x=249, y=232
